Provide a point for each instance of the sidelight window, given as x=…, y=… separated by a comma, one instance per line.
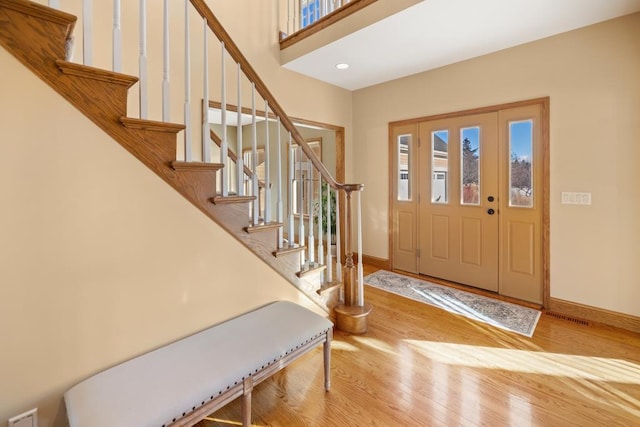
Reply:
x=403, y=167
x=440, y=166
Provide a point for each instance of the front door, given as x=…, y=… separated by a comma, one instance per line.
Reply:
x=458, y=200
x=467, y=199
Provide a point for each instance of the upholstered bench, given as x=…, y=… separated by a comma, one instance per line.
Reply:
x=183, y=382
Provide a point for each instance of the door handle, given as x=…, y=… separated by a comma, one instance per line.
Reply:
x=490, y=198
x=491, y=211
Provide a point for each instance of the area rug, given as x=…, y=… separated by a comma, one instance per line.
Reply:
x=501, y=314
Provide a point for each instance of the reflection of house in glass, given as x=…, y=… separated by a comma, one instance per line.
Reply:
x=403, y=167
x=440, y=166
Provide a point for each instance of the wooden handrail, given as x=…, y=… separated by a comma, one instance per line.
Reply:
x=235, y=53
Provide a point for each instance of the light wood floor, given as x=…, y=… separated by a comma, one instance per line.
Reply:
x=422, y=366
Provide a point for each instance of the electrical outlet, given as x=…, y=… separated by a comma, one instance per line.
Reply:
x=27, y=419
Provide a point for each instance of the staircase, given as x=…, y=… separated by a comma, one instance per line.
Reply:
x=228, y=191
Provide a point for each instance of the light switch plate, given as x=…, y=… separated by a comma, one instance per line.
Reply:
x=27, y=419
x=572, y=198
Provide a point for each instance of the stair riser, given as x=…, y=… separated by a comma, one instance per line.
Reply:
x=18, y=30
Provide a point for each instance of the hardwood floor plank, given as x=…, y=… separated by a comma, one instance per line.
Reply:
x=422, y=366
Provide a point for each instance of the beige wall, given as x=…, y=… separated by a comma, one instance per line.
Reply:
x=100, y=260
x=592, y=78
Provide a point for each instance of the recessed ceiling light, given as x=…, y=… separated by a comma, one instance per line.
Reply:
x=342, y=66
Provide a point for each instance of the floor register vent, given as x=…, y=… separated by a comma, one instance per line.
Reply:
x=569, y=318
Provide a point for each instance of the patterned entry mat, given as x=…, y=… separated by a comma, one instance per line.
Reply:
x=501, y=314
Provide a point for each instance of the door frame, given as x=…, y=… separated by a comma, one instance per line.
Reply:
x=544, y=103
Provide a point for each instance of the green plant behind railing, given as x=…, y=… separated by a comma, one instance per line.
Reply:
x=325, y=196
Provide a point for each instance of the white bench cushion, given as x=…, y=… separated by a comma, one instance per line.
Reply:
x=158, y=387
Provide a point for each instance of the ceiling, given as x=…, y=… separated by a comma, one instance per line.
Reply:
x=434, y=33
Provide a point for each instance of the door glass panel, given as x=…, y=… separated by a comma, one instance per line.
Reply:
x=470, y=167
x=520, y=167
x=404, y=163
x=440, y=166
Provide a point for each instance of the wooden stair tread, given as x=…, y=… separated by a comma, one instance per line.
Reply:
x=196, y=166
x=144, y=124
x=329, y=287
x=223, y=200
x=286, y=250
x=311, y=269
x=79, y=70
x=40, y=11
x=263, y=227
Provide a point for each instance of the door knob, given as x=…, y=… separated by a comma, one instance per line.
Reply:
x=491, y=211
x=490, y=198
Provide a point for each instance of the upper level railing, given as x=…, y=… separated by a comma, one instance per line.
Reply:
x=178, y=67
x=302, y=13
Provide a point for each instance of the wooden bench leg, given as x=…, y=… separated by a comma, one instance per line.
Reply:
x=246, y=402
x=327, y=360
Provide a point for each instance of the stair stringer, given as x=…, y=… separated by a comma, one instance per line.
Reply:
x=36, y=35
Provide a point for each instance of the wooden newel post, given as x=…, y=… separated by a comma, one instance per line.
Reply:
x=349, y=273
x=351, y=317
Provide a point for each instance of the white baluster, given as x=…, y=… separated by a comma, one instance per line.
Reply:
x=360, y=267
x=301, y=13
x=329, y=229
x=300, y=183
x=144, y=114
x=87, y=32
x=311, y=239
x=267, y=166
x=320, y=243
x=289, y=17
x=117, y=37
x=188, y=156
x=338, y=240
x=166, y=115
x=254, y=156
x=206, y=127
x=224, y=146
x=290, y=190
x=279, y=207
x=297, y=23
x=239, y=156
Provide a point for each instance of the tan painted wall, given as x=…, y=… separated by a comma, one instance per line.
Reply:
x=591, y=77
x=100, y=260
